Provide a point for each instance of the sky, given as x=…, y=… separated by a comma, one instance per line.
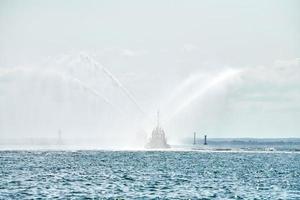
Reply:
x=104, y=68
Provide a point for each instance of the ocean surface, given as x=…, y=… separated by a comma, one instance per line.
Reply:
x=149, y=175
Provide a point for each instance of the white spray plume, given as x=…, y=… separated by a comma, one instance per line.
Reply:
x=65, y=77
x=221, y=78
x=114, y=79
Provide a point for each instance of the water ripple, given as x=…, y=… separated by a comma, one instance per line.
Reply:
x=142, y=175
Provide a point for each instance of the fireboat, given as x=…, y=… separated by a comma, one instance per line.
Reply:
x=158, y=138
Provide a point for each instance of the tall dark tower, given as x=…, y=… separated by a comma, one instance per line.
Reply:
x=205, y=140
x=194, y=138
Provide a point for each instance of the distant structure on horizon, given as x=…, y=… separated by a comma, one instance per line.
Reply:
x=158, y=138
x=59, y=138
x=205, y=140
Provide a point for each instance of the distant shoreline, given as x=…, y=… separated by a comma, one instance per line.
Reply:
x=214, y=145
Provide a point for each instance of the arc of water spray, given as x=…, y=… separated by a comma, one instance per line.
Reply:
x=92, y=90
x=95, y=92
x=183, y=86
x=227, y=75
x=88, y=88
x=115, y=80
x=69, y=78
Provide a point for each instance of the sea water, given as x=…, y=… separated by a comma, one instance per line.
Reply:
x=149, y=175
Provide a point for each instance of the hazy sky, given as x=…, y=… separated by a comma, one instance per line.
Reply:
x=226, y=68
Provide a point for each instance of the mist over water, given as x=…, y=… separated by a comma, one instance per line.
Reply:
x=96, y=73
x=74, y=96
x=149, y=99
x=81, y=98
x=78, y=96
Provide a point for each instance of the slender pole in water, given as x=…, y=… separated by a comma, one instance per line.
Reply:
x=59, y=141
x=59, y=134
x=157, y=118
x=194, y=138
x=205, y=140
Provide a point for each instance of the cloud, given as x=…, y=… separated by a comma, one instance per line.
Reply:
x=116, y=52
x=128, y=52
x=270, y=88
x=131, y=53
x=189, y=47
x=280, y=73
